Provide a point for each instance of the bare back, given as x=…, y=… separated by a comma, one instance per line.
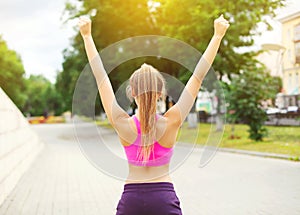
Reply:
x=167, y=128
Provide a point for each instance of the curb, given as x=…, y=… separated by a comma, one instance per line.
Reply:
x=246, y=152
x=260, y=154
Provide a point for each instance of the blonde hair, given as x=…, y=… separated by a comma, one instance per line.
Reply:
x=145, y=84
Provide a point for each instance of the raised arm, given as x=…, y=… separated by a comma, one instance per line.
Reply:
x=112, y=109
x=182, y=108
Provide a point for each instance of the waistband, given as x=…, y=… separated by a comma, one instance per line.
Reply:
x=153, y=186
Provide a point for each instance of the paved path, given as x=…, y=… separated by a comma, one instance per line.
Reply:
x=62, y=181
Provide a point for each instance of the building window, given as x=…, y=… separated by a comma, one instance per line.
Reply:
x=297, y=33
x=297, y=79
x=289, y=56
x=297, y=43
x=297, y=52
x=290, y=82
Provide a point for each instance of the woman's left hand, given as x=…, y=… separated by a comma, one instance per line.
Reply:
x=221, y=25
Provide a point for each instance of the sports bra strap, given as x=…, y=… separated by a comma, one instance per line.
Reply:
x=137, y=123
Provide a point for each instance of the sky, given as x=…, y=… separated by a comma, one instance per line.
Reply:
x=35, y=30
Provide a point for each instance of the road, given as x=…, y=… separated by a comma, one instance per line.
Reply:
x=63, y=180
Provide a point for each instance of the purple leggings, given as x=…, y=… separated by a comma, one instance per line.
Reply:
x=158, y=198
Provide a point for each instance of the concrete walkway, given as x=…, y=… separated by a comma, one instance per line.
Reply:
x=63, y=181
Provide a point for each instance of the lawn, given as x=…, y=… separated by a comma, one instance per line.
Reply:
x=281, y=140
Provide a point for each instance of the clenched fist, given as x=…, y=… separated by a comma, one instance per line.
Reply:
x=85, y=26
x=221, y=25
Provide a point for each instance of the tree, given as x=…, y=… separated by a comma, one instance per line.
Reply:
x=117, y=20
x=74, y=62
x=41, y=97
x=192, y=22
x=12, y=74
x=245, y=94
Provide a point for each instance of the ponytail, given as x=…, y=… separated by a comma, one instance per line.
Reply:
x=147, y=112
x=146, y=83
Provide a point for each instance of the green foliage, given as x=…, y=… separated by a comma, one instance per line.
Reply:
x=116, y=20
x=12, y=74
x=41, y=97
x=192, y=22
x=72, y=66
x=245, y=94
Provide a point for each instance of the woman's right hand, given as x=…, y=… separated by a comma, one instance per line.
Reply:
x=221, y=25
x=85, y=26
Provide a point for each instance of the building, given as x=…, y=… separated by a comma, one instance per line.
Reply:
x=291, y=57
x=272, y=58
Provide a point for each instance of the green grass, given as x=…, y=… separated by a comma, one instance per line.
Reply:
x=281, y=140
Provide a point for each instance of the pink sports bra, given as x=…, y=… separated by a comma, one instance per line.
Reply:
x=161, y=155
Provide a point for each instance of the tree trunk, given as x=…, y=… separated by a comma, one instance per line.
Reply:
x=232, y=131
x=219, y=122
x=192, y=120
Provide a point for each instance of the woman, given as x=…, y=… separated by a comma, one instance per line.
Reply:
x=148, y=138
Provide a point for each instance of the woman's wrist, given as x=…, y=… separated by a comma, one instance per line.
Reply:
x=218, y=37
x=87, y=37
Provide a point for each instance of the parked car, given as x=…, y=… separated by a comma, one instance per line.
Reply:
x=293, y=109
x=283, y=111
x=272, y=110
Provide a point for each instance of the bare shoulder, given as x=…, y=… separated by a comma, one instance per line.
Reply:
x=168, y=126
